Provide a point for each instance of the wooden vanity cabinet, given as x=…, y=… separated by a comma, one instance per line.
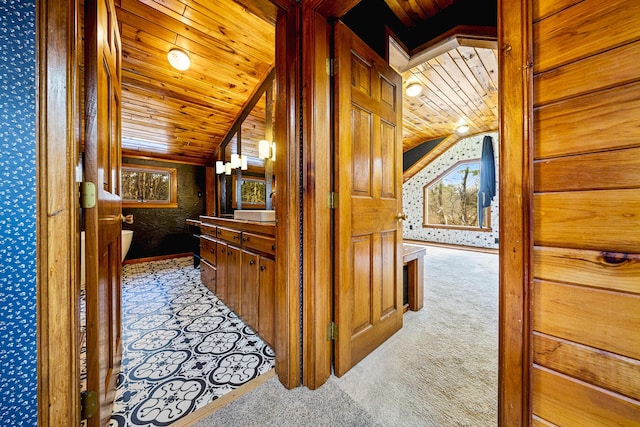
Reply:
x=221, y=282
x=233, y=280
x=243, y=267
x=267, y=298
x=250, y=284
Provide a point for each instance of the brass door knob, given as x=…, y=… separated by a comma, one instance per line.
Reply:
x=401, y=216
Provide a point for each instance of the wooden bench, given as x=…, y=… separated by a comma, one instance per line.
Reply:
x=413, y=258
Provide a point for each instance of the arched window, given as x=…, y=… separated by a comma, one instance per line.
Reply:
x=451, y=200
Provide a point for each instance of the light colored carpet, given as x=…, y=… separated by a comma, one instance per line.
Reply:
x=439, y=370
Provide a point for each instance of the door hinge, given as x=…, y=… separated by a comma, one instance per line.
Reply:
x=331, y=64
x=332, y=332
x=333, y=200
x=87, y=195
x=88, y=404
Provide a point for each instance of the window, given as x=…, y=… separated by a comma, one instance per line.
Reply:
x=451, y=200
x=149, y=187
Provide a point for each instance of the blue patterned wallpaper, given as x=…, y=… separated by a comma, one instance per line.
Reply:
x=412, y=197
x=18, y=369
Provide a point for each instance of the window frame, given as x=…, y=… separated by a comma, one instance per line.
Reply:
x=173, y=187
x=425, y=203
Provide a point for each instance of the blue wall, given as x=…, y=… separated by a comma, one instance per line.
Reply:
x=18, y=369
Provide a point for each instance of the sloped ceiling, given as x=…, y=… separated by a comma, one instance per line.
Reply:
x=185, y=115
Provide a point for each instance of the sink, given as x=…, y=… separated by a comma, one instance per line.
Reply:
x=264, y=215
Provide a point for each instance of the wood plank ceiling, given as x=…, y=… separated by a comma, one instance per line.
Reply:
x=185, y=115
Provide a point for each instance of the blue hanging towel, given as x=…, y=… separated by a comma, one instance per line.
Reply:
x=487, y=190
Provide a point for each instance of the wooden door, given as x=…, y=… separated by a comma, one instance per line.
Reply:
x=103, y=222
x=368, y=255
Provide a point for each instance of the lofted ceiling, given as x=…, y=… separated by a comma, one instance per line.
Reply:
x=186, y=115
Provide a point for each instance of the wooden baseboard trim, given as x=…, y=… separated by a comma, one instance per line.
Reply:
x=225, y=400
x=157, y=258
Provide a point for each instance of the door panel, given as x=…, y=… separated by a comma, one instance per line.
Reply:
x=103, y=222
x=368, y=283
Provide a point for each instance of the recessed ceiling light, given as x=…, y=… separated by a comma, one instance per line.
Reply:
x=179, y=59
x=413, y=89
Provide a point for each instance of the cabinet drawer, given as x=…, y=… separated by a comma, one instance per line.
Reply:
x=231, y=236
x=259, y=243
x=208, y=275
x=208, y=249
x=208, y=229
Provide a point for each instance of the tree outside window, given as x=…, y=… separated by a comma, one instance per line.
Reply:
x=451, y=200
x=149, y=187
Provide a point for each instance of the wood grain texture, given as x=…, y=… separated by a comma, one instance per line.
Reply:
x=587, y=28
x=562, y=400
x=317, y=217
x=605, y=220
x=543, y=8
x=603, y=369
x=607, y=69
x=588, y=171
x=514, y=23
x=597, y=121
x=181, y=115
x=602, y=319
x=458, y=86
x=57, y=227
x=605, y=270
x=288, y=181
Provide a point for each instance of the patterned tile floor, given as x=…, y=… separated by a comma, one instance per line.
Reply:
x=183, y=348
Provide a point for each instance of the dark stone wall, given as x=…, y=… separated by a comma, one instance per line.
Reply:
x=159, y=232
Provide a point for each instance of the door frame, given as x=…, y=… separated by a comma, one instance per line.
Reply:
x=57, y=226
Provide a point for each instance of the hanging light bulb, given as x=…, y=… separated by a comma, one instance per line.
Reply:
x=227, y=168
x=244, y=165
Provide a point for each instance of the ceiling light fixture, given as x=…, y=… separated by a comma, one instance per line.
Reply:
x=413, y=89
x=179, y=59
x=462, y=129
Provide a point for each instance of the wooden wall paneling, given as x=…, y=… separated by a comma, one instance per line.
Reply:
x=288, y=215
x=601, y=269
x=604, y=369
x=568, y=127
x=562, y=400
x=542, y=8
x=586, y=171
x=515, y=77
x=210, y=201
x=588, y=75
x=604, y=220
x=57, y=228
x=587, y=28
x=317, y=278
x=607, y=320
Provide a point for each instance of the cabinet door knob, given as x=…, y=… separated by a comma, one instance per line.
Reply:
x=245, y=239
x=251, y=262
x=273, y=247
x=262, y=268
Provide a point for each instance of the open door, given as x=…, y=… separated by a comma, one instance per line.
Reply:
x=368, y=182
x=103, y=223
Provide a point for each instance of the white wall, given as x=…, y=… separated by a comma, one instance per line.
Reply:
x=413, y=197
